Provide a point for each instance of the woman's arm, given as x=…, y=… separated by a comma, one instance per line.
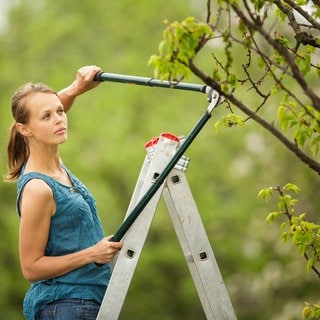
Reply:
x=83, y=82
x=33, y=238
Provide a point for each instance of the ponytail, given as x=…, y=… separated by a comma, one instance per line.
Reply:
x=18, y=149
x=17, y=152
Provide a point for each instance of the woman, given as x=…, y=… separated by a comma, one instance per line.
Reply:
x=61, y=241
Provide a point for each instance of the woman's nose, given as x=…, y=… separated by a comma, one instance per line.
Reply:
x=58, y=119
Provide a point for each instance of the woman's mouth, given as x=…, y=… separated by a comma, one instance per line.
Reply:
x=60, y=131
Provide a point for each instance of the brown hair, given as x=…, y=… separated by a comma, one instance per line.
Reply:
x=18, y=149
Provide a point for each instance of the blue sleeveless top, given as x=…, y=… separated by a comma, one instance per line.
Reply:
x=74, y=227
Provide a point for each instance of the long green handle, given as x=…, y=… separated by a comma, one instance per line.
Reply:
x=160, y=179
x=113, y=77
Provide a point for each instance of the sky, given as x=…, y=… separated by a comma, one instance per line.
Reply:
x=4, y=4
x=4, y=7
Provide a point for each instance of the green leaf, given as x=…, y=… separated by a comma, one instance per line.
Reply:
x=285, y=236
x=180, y=43
x=258, y=4
x=265, y=194
x=272, y=216
x=283, y=118
x=217, y=125
x=310, y=263
x=291, y=187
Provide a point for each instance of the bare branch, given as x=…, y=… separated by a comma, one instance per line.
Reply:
x=313, y=23
x=253, y=115
x=284, y=52
x=301, y=36
x=208, y=11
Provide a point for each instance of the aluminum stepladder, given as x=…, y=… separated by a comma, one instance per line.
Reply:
x=188, y=226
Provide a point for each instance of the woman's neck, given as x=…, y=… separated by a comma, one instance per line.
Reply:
x=45, y=161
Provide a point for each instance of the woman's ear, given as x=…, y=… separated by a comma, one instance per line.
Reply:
x=22, y=129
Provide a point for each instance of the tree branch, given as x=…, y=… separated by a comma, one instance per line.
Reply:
x=253, y=115
x=253, y=25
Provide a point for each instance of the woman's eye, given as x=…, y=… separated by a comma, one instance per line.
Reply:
x=61, y=111
x=46, y=116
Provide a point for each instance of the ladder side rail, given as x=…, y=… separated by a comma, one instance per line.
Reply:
x=137, y=192
x=126, y=263
x=135, y=237
x=196, y=247
x=204, y=299
x=135, y=195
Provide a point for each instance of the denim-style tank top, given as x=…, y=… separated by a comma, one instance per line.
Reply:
x=74, y=227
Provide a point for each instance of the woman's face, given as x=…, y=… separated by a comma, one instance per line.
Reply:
x=48, y=122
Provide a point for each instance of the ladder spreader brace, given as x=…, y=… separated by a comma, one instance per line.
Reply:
x=163, y=174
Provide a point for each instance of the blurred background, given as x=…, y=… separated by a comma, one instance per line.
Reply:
x=47, y=41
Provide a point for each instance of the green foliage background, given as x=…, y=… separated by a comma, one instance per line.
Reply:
x=48, y=41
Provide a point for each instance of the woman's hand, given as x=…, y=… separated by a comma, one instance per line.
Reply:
x=84, y=82
x=105, y=250
x=84, y=79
